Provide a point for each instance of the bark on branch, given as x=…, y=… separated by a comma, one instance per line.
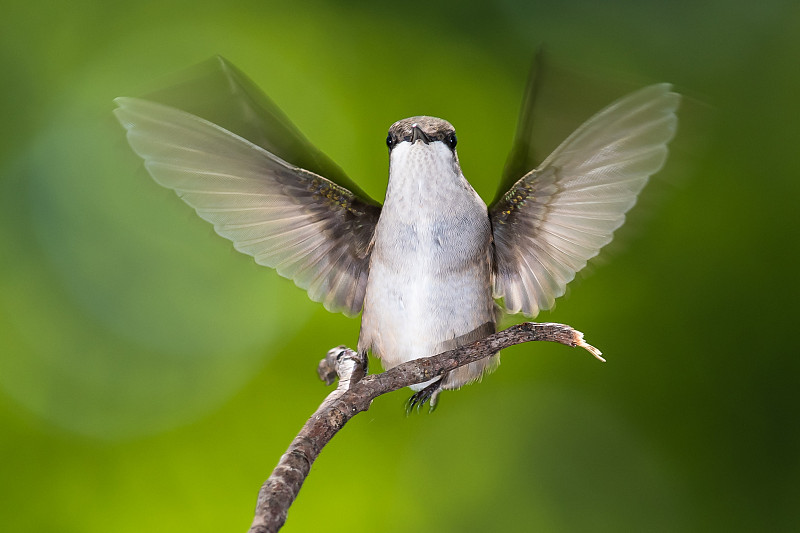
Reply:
x=355, y=393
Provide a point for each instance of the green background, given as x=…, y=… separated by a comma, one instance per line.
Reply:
x=151, y=377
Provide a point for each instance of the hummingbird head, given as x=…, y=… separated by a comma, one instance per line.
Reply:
x=423, y=145
x=425, y=129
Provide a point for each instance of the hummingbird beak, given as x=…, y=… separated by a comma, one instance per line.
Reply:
x=417, y=134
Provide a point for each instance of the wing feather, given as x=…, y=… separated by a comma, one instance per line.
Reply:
x=305, y=226
x=558, y=216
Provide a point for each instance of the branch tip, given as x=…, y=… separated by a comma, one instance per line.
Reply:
x=579, y=341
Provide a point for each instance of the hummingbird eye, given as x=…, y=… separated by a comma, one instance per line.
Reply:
x=390, y=141
x=452, y=141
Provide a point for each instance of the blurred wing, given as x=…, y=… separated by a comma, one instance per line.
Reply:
x=522, y=157
x=558, y=216
x=217, y=91
x=310, y=229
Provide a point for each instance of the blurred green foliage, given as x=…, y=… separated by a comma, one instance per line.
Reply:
x=150, y=376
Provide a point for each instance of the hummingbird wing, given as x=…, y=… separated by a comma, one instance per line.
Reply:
x=222, y=94
x=522, y=156
x=307, y=227
x=559, y=215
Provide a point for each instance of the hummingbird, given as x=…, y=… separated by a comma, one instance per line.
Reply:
x=433, y=267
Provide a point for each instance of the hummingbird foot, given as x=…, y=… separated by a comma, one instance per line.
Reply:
x=428, y=394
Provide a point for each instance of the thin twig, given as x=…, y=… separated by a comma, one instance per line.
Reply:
x=355, y=393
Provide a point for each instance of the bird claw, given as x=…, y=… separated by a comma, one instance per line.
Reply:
x=421, y=397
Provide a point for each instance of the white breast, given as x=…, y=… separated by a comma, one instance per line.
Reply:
x=430, y=271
